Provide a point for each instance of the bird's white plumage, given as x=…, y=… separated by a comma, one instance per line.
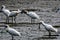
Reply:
x=6, y=11
x=33, y=15
x=49, y=27
x=9, y=13
x=12, y=31
x=16, y=11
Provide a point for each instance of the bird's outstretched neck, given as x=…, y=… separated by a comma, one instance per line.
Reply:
x=42, y=22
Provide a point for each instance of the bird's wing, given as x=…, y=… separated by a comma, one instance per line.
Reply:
x=50, y=27
x=33, y=14
x=6, y=11
x=13, y=31
x=13, y=13
x=18, y=11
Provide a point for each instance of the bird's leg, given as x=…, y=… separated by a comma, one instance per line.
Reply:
x=7, y=19
x=49, y=34
x=12, y=19
x=12, y=37
x=39, y=27
x=15, y=19
x=31, y=20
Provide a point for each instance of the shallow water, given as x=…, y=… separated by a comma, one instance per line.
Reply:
x=29, y=32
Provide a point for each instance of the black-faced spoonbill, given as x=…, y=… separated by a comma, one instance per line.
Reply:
x=49, y=27
x=12, y=31
x=33, y=15
x=9, y=13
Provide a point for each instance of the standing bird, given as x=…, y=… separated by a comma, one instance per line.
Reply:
x=49, y=28
x=9, y=13
x=12, y=31
x=33, y=15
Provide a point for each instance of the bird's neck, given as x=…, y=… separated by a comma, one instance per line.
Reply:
x=26, y=12
x=43, y=23
x=3, y=9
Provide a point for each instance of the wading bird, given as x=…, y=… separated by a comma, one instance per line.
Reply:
x=31, y=14
x=49, y=28
x=9, y=13
x=11, y=31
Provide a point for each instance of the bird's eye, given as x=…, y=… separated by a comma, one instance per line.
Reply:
x=23, y=11
x=5, y=26
x=1, y=7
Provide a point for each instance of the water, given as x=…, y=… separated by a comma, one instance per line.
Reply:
x=29, y=32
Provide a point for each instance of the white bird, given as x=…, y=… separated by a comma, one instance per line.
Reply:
x=49, y=27
x=12, y=31
x=33, y=15
x=9, y=13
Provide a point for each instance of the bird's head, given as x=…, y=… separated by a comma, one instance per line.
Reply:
x=41, y=22
x=3, y=6
x=23, y=11
x=6, y=26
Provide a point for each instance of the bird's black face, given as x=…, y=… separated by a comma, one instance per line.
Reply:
x=1, y=7
x=5, y=26
x=40, y=22
x=23, y=11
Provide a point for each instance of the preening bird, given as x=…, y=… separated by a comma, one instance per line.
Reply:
x=9, y=13
x=33, y=15
x=49, y=27
x=12, y=31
